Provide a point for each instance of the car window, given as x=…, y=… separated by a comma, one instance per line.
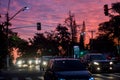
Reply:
x=97, y=57
x=66, y=65
x=47, y=58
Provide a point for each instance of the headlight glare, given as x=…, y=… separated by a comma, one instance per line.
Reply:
x=44, y=63
x=61, y=79
x=96, y=63
x=111, y=63
x=91, y=78
x=98, y=68
x=19, y=62
x=30, y=62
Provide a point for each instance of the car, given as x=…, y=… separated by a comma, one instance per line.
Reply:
x=21, y=63
x=116, y=67
x=27, y=62
x=67, y=69
x=44, y=62
x=97, y=62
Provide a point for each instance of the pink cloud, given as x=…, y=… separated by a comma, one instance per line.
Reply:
x=52, y=12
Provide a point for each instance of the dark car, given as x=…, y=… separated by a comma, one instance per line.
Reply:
x=66, y=69
x=45, y=60
x=97, y=62
x=116, y=67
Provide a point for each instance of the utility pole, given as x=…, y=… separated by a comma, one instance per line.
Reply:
x=7, y=24
x=71, y=25
x=82, y=36
x=92, y=33
x=91, y=39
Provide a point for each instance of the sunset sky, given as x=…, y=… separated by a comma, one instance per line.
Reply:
x=52, y=12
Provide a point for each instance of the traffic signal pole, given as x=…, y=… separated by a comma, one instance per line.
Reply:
x=106, y=12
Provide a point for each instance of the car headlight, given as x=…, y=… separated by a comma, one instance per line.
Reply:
x=19, y=62
x=30, y=62
x=98, y=68
x=96, y=63
x=61, y=79
x=91, y=78
x=37, y=61
x=44, y=63
x=111, y=63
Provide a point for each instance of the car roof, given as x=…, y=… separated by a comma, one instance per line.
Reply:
x=56, y=59
x=94, y=54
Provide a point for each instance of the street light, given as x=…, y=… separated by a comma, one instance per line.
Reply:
x=8, y=18
x=7, y=23
x=22, y=9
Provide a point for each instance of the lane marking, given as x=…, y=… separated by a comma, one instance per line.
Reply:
x=104, y=77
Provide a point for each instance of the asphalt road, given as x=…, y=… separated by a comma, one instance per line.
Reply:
x=21, y=75
x=36, y=74
x=107, y=76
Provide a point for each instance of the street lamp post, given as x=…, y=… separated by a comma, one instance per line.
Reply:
x=7, y=23
x=22, y=9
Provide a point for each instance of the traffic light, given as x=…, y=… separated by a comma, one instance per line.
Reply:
x=38, y=26
x=106, y=10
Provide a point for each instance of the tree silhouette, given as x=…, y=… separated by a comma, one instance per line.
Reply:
x=46, y=44
x=3, y=47
x=8, y=41
x=63, y=38
x=111, y=28
x=116, y=7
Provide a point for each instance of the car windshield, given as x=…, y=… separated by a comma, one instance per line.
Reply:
x=47, y=58
x=97, y=57
x=68, y=65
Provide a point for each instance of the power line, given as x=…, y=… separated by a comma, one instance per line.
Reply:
x=21, y=27
x=24, y=20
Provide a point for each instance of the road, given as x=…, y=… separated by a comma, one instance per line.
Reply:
x=21, y=75
x=38, y=75
x=107, y=76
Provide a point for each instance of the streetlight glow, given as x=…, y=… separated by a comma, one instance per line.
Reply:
x=25, y=8
x=22, y=9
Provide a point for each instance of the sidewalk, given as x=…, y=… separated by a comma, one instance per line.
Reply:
x=7, y=69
